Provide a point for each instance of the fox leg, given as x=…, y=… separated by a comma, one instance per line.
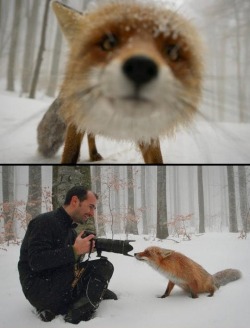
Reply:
x=193, y=289
x=169, y=289
x=93, y=153
x=151, y=152
x=72, y=145
x=194, y=295
x=211, y=292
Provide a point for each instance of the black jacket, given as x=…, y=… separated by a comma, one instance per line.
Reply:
x=46, y=264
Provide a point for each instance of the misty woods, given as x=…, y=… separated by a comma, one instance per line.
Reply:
x=175, y=201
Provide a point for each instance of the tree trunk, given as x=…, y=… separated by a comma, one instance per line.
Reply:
x=143, y=201
x=4, y=18
x=52, y=86
x=13, y=46
x=243, y=197
x=40, y=51
x=96, y=183
x=117, y=206
x=233, y=227
x=8, y=202
x=201, y=200
x=176, y=194
x=131, y=222
x=66, y=177
x=28, y=58
x=34, y=203
x=162, y=227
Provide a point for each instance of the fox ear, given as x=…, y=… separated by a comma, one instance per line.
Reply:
x=68, y=18
x=167, y=252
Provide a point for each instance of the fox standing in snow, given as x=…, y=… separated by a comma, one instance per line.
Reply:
x=134, y=73
x=184, y=272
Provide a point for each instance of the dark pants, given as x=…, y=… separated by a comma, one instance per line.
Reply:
x=94, y=281
x=57, y=294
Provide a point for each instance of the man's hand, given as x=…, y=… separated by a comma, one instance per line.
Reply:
x=83, y=245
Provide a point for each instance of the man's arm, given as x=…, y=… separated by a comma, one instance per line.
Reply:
x=46, y=247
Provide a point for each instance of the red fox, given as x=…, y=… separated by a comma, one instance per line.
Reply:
x=134, y=73
x=184, y=272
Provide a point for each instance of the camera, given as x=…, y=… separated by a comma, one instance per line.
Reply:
x=110, y=245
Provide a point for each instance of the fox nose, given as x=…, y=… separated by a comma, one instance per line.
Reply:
x=140, y=70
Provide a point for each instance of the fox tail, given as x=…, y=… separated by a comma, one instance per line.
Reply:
x=223, y=277
x=51, y=131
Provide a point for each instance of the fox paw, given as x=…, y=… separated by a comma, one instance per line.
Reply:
x=96, y=157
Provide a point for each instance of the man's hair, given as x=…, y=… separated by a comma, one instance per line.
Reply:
x=78, y=191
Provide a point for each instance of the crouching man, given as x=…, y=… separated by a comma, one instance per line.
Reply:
x=53, y=279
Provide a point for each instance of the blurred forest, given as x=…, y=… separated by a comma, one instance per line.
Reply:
x=156, y=201
x=33, y=51
x=225, y=25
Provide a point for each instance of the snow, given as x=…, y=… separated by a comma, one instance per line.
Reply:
x=203, y=142
x=138, y=285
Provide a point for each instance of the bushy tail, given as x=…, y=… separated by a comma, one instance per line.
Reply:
x=51, y=131
x=223, y=277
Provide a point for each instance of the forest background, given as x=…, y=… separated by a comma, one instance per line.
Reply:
x=156, y=201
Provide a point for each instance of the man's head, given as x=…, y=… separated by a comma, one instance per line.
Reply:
x=80, y=204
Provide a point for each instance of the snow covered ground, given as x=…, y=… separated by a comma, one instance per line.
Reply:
x=138, y=285
x=204, y=143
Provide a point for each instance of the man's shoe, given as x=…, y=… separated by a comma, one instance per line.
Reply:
x=46, y=315
x=109, y=295
x=81, y=310
x=75, y=316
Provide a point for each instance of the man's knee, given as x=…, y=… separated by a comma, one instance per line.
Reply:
x=104, y=269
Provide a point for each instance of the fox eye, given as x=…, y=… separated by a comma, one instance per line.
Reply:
x=173, y=52
x=109, y=42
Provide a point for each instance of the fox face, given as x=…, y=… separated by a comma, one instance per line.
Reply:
x=134, y=70
x=155, y=257
x=153, y=254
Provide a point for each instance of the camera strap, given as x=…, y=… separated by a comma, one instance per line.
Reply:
x=78, y=272
x=90, y=249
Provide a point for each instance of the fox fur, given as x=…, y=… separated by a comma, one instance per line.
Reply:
x=184, y=272
x=134, y=73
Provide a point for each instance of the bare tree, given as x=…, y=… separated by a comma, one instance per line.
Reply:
x=8, y=201
x=29, y=49
x=117, y=206
x=233, y=227
x=40, y=51
x=4, y=18
x=162, y=227
x=143, y=201
x=96, y=184
x=201, y=200
x=54, y=71
x=243, y=197
x=13, y=46
x=131, y=222
x=34, y=203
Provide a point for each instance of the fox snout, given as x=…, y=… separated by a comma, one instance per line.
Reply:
x=138, y=256
x=140, y=69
